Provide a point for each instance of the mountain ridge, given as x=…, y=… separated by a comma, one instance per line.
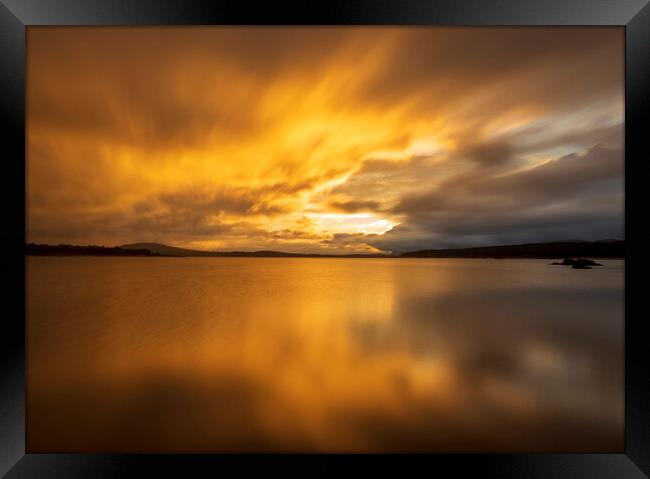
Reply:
x=549, y=250
x=555, y=249
x=167, y=250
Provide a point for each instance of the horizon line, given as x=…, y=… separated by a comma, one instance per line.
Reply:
x=387, y=254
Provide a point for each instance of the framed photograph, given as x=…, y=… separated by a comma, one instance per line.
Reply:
x=347, y=234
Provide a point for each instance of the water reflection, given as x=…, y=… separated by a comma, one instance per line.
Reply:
x=253, y=354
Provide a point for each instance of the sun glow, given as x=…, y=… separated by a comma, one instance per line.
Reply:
x=353, y=223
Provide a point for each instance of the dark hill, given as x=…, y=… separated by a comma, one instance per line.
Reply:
x=591, y=249
x=174, y=251
x=163, y=249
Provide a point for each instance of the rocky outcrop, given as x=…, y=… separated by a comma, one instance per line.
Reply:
x=578, y=263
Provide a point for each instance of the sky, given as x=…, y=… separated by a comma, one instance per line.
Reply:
x=324, y=140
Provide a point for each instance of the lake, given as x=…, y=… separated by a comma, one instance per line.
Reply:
x=135, y=354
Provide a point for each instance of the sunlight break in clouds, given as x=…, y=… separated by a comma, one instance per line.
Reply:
x=324, y=140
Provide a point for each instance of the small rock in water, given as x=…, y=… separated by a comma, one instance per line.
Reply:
x=580, y=266
x=586, y=262
x=580, y=263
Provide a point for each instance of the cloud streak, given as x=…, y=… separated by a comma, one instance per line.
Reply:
x=314, y=139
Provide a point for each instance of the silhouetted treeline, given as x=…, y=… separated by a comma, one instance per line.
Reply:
x=591, y=249
x=68, y=249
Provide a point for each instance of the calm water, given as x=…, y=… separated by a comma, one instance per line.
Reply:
x=277, y=354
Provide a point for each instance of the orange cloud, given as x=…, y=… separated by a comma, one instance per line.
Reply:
x=248, y=138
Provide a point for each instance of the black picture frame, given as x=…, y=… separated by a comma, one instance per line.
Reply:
x=17, y=15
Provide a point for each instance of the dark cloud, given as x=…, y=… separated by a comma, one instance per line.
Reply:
x=239, y=201
x=183, y=215
x=354, y=206
x=124, y=228
x=567, y=176
x=503, y=67
x=488, y=153
x=553, y=181
x=577, y=196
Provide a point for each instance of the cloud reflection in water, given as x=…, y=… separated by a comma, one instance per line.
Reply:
x=251, y=354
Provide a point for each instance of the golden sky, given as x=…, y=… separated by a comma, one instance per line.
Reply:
x=325, y=140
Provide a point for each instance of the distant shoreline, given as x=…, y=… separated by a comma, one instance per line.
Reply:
x=553, y=250
x=620, y=258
